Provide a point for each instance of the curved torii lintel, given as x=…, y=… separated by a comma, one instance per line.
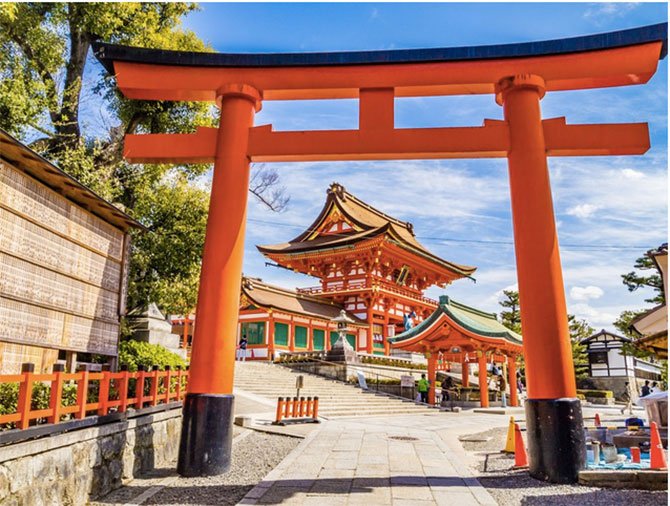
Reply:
x=608, y=59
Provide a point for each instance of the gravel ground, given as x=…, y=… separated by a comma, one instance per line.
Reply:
x=254, y=457
x=512, y=488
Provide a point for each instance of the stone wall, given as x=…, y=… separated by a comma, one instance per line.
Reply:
x=78, y=466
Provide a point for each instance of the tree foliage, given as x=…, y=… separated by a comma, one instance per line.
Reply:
x=579, y=330
x=54, y=99
x=635, y=280
x=511, y=317
x=136, y=353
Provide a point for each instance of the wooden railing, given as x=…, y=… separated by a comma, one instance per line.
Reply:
x=97, y=393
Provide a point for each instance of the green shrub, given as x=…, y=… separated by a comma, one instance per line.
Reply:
x=136, y=353
x=391, y=362
x=41, y=395
x=606, y=394
x=581, y=397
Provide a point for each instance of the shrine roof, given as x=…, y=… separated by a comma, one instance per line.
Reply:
x=23, y=158
x=366, y=222
x=477, y=322
x=109, y=53
x=273, y=297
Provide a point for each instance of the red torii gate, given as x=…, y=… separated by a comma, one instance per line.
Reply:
x=518, y=74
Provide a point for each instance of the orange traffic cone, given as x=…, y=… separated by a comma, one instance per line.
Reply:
x=520, y=456
x=597, y=422
x=658, y=460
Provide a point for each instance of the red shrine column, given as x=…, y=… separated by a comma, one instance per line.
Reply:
x=511, y=381
x=207, y=427
x=483, y=380
x=553, y=413
x=432, y=376
x=465, y=371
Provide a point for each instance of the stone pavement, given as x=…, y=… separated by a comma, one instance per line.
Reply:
x=393, y=460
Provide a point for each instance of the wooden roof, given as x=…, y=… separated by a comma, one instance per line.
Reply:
x=41, y=169
x=267, y=296
x=469, y=325
x=365, y=222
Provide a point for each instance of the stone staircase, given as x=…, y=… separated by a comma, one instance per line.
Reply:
x=336, y=399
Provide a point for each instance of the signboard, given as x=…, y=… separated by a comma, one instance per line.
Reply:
x=406, y=381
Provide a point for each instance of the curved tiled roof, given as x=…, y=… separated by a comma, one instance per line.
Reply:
x=474, y=320
x=370, y=222
x=273, y=297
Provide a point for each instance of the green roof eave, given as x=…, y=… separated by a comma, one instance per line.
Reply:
x=449, y=308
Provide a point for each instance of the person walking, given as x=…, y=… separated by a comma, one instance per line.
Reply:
x=423, y=387
x=502, y=386
x=646, y=389
x=654, y=388
x=242, y=349
x=628, y=398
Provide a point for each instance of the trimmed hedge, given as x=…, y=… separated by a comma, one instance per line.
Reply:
x=390, y=362
x=604, y=394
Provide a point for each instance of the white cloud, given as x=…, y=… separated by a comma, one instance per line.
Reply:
x=596, y=317
x=582, y=210
x=601, y=12
x=632, y=174
x=584, y=293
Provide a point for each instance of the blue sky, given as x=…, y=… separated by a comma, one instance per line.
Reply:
x=460, y=208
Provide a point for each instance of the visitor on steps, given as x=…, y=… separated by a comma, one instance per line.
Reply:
x=628, y=398
x=242, y=349
x=646, y=389
x=423, y=387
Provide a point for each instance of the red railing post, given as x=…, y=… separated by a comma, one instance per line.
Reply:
x=123, y=389
x=139, y=387
x=154, y=385
x=82, y=394
x=103, y=393
x=56, y=393
x=25, y=395
x=280, y=408
x=301, y=411
x=287, y=408
x=315, y=412
x=310, y=403
x=294, y=409
x=167, y=383
x=178, y=387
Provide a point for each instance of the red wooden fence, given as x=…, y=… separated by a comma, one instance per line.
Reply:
x=165, y=386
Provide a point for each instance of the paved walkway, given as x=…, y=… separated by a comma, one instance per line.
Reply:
x=395, y=460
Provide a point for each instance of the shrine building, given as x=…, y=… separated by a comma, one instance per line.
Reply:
x=367, y=262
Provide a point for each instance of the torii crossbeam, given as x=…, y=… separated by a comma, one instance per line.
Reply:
x=518, y=74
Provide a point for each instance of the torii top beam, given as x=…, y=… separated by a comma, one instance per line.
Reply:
x=376, y=78
x=602, y=60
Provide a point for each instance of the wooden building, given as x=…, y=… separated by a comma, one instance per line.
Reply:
x=63, y=264
x=276, y=320
x=369, y=264
x=610, y=367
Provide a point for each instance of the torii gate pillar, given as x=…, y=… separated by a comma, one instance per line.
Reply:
x=206, y=436
x=553, y=413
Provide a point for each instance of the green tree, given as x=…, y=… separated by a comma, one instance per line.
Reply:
x=579, y=330
x=46, y=88
x=635, y=279
x=511, y=316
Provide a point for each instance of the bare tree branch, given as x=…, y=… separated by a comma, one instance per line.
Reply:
x=265, y=185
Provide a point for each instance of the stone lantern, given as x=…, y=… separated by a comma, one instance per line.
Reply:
x=342, y=351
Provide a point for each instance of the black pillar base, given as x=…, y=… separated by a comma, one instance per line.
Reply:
x=206, y=435
x=556, y=445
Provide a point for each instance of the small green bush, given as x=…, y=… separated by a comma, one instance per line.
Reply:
x=606, y=394
x=136, y=353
